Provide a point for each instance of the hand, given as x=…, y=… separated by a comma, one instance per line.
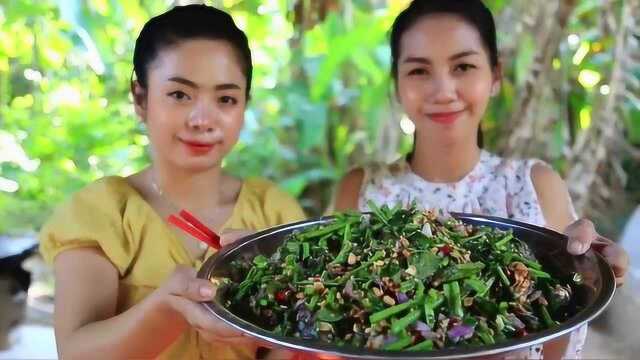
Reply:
x=279, y=354
x=582, y=236
x=183, y=292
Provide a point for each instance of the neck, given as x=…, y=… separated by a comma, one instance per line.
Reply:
x=195, y=191
x=436, y=161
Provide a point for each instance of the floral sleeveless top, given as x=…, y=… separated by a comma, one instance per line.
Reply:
x=495, y=186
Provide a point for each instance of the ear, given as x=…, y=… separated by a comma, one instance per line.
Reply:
x=497, y=80
x=139, y=94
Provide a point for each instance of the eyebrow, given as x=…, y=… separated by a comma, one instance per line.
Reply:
x=191, y=84
x=422, y=60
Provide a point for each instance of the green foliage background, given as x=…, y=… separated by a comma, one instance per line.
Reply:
x=321, y=104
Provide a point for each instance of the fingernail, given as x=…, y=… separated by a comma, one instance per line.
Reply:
x=206, y=291
x=576, y=247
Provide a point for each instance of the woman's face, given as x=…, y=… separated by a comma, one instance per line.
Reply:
x=194, y=103
x=444, y=78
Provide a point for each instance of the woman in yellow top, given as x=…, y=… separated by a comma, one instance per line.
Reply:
x=125, y=280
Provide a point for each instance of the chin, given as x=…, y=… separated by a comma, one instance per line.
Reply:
x=198, y=164
x=437, y=132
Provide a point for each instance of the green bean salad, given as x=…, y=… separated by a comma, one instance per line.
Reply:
x=398, y=279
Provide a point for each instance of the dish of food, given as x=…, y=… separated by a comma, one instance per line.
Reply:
x=401, y=281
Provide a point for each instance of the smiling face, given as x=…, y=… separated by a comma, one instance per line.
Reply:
x=194, y=104
x=444, y=78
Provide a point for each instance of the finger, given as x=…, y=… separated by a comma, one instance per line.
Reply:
x=211, y=329
x=603, y=240
x=232, y=235
x=235, y=340
x=263, y=343
x=200, y=318
x=183, y=271
x=581, y=234
x=280, y=354
x=617, y=258
x=183, y=282
x=600, y=243
x=185, y=308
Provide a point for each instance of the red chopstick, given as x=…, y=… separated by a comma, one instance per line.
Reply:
x=198, y=225
x=192, y=226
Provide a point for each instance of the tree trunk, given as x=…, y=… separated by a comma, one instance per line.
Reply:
x=596, y=143
x=521, y=126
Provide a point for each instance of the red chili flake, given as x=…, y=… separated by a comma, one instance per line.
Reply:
x=282, y=296
x=445, y=249
x=521, y=333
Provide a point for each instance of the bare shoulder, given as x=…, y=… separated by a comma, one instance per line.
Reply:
x=548, y=183
x=543, y=175
x=553, y=196
x=346, y=197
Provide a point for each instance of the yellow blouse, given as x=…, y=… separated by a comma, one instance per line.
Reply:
x=111, y=215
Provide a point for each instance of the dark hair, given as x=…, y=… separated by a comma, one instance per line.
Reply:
x=184, y=23
x=473, y=12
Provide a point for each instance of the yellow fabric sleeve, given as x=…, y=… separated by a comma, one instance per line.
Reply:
x=93, y=217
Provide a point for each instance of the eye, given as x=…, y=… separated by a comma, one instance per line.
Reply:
x=464, y=67
x=418, y=72
x=228, y=100
x=179, y=95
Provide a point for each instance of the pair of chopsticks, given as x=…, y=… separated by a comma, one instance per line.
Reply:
x=192, y=226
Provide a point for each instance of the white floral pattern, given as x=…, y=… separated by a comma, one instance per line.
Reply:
x=495, y=186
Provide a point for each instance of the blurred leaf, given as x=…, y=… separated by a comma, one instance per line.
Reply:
x=632, y=122
x=524, y=59
x=316, y=109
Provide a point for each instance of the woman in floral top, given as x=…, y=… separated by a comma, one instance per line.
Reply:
x=444, y=88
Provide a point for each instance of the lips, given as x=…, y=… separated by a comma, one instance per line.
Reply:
x=198, y=147
x=445, y=117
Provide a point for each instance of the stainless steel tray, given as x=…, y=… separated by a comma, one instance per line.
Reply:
x=592, y=296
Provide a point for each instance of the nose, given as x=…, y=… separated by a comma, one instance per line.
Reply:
x=444, y=90
x=202, y=117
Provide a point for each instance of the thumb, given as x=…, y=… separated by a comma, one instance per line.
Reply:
x=581, y=234
x=184, y=283
x=232, y=235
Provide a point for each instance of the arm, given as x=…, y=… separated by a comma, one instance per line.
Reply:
x=346, y=197
x=86, y=323
x=555, y=203
x=553, y=197
x=85, y=318
x=556, y=207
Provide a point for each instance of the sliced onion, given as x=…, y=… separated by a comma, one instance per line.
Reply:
x=460, y=332
x=402, y=297
x=348, y=289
